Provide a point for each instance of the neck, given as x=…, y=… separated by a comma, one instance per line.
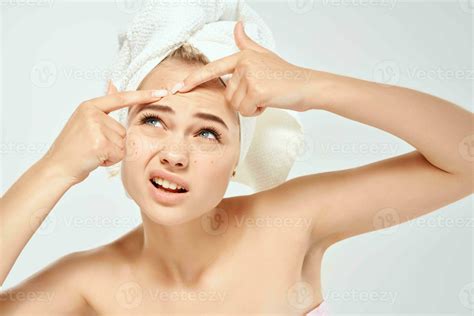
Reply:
x=181, y=253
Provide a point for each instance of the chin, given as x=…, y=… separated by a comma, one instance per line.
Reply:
x=165, y=215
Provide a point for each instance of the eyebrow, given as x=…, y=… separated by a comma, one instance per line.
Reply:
x=167, y=109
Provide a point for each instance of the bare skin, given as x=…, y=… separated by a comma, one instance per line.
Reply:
x=248, y=267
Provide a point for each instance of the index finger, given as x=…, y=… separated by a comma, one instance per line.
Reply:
x=115, y=101
x=217, y=68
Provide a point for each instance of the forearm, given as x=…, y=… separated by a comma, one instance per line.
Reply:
x=24, y=207
x=437, y=128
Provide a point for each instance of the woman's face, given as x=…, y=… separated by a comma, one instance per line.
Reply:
x=180, y=144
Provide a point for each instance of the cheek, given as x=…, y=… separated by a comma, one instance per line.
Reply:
x=138, y=148
x=213, y=172
x=139, y=145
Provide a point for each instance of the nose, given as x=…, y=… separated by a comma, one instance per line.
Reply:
x=174, y=158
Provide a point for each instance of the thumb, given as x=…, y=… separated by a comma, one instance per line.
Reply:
x=243, y=41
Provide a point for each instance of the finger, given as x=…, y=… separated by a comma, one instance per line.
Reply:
x=243, y=41
x=114, y=125
x=115, y=101
x=217, y=68
x=232, y=86
x=248, y=104
x=113, y=137
x=239, y=95
x=112, y=155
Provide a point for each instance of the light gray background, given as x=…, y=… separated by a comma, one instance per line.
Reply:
x=55, y=55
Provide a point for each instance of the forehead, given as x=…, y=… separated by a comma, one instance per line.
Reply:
x=208, y=96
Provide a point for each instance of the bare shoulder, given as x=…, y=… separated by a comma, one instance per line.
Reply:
x=61, y=287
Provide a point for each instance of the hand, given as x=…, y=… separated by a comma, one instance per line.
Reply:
x=92, y=138
x=260, y=78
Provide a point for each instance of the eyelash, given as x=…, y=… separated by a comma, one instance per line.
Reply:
x=148, y=116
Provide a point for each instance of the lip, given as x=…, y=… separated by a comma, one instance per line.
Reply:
x=166, y=198
x=170, y=177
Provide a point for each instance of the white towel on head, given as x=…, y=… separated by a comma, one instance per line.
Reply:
x=269, y=141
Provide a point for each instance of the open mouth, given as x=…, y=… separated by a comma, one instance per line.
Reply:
x=168, y=189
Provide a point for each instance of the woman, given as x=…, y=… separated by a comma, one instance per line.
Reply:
x=174, y=264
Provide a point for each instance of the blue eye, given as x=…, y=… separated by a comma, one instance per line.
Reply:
x=212, y=131
x=147, y=117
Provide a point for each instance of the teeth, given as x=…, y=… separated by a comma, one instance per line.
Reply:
x=167, y=184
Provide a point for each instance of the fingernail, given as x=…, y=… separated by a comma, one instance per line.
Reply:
x=177, y=86
x=159, y=93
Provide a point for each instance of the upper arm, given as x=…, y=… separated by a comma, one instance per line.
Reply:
x=53, y=290
x=353, y=201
